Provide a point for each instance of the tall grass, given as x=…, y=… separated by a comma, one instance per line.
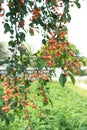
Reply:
x=69, y=110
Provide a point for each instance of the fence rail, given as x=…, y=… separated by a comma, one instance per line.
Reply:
x=29, y=70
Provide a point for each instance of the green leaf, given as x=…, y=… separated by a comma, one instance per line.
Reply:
x=20, y=107
x=7, y=121
x=13, y=105
x=22, y=36
x=11, y=31
x=51, y=102
x=1, y=63
x=12, y=43
x=11, y=117
x=31, y=31
x=62, y=80
x=6, y=27
x=66, y=1
x=83, y=60
x=53, y=2
x=71, y=77
x=77, y=4
x=41, y=63
x=27, y=82
x=8, y=14
x=44, y=41
x=11, y=37
x=1, y=0
x=66, y=9
x=4, y=62
x=68, y=17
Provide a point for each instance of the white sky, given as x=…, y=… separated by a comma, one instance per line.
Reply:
x=78, y=27
x=77, y=30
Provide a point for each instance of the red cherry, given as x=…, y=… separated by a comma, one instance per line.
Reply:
x=21, y=2
x=48, y=57
x=58, y=53
x=34, y=106
x=21, y=23
x=2, y=22
x=66, y=74
x=45, y=100
x=71, y=53
x=1, y=3
x=67, y=43
x=2, y=12
x=44, y=57
x=64, y=48
x=61, y=4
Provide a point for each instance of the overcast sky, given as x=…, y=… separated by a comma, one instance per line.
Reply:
x=77, y=30
x=78, y=27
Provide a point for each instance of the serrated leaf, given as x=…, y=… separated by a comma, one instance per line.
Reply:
x=62, y=80
x=11, y=117
x=71, y=77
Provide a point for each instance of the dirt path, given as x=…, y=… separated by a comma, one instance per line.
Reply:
x=80, y=82
x=82, y=85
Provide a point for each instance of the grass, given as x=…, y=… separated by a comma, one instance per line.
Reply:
x=69, y=111
x=85, y=81
x=77, y=89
